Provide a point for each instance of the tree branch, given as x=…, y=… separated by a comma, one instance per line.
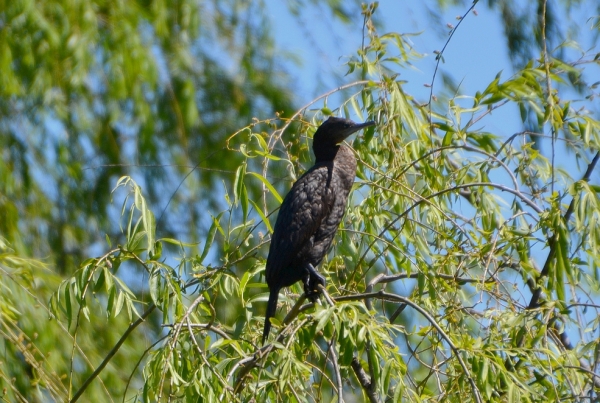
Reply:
x=397, y=298
x=537, y=292
x=536, y=287
x=364, y=380
x=248, y=363
x=112, y=352
x=336, y=370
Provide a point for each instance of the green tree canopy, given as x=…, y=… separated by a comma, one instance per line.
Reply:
x=466, y=267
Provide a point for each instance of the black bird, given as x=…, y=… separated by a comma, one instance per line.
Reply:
x=311, y=213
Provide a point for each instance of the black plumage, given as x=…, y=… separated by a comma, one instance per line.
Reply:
x=311, y=213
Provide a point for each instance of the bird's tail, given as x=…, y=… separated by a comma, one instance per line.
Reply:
x=271, y=308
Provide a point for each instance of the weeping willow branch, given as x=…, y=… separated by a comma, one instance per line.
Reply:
x=397, y=298
x=112, y=352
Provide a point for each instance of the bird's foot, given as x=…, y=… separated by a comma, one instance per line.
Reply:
x=311, y=283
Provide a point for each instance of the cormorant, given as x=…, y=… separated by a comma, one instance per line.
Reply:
x=311, y=213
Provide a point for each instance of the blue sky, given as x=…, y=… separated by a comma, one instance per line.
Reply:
x=476, y=53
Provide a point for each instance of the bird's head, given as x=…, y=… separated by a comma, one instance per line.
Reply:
x=333, y=131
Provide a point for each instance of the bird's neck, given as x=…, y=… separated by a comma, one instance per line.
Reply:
x=326, y=153
x=340, y=154
x=345, y=162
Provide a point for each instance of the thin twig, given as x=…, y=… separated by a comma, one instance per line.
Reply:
x=98, y=262
x=537, y=292
x=363, y=379
x=137, y=364
x=326, y=295
x=206, y=326
x=334, y=360
x=39, y=303
x=112, y=352
x=550, y=98
x=175, y=337
x=437, y=66
x=248, y=363
x=224, y=383
x=397, y=298
x=336, y=368
x=535, y=286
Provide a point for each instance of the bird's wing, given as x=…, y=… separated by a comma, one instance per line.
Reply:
x=301, y=213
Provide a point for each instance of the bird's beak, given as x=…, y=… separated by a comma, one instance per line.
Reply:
x=357, y=127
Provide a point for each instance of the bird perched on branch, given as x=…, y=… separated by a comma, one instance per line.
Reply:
x=311, y=213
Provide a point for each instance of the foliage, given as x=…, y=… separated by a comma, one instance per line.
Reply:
x=90, y=89
x=465, y=261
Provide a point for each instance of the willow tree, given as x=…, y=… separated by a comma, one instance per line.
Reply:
x=91, y=91
x=466, y=268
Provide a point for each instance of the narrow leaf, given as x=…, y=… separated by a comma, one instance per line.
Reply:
x=268, y=185
x=262, y=216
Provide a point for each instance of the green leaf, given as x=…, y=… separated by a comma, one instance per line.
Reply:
x=447, y=139
x=68, y=306
x=100, y=281
x=268, y=185
x=177, y=242
x=264, y=219
x=119, y=303
x=243, y=282
x=238, y=183
x=149, y=224
x=110, y=305
x=155, y=287
x=323, y=318
x=244, y=203
x=210, y=236
x=157, y=251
